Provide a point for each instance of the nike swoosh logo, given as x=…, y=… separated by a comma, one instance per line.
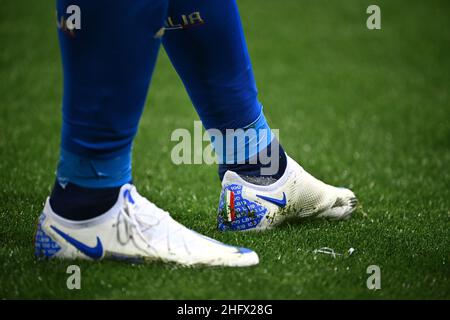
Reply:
x=92, y=252
x=279, y=202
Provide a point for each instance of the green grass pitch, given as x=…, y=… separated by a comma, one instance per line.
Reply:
x=360, y=108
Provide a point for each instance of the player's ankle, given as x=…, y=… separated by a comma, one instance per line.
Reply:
x=78, y=203
x=265, y=168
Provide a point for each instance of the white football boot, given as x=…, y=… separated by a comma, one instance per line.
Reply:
x=133, y=229
x=247, y=206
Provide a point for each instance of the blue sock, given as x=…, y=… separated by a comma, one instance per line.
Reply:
x=206, y=44
x=107, y=66
x=77, y=203
x=251, y=170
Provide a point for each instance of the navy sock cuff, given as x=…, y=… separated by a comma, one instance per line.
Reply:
x=79, y=203
x=255, y=166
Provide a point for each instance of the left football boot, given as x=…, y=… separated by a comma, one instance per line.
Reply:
x=297, y=194
x=133, y=230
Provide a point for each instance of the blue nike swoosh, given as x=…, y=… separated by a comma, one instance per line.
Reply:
x=92, y=252
x=281, y=203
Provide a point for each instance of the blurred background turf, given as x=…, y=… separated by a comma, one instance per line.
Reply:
x=365, y=109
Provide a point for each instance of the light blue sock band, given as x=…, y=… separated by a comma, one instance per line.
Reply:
x=93, y=173
x=237, y=146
